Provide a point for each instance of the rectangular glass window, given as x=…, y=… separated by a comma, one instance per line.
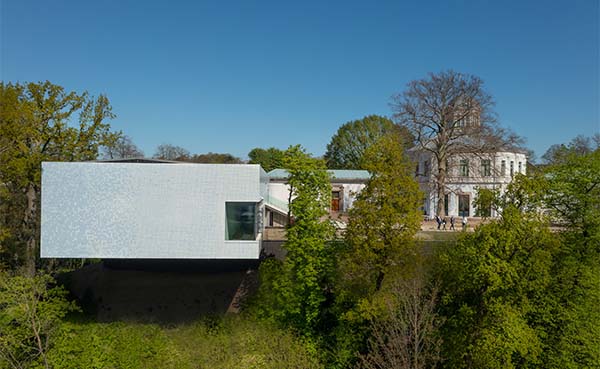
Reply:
x=464, y=205
x=486, y=167
x=503, y=168
x=512, y=168
x=446, y=202
x=464, y=167
x=426, y=168
x=520, y=168
x=240, y=221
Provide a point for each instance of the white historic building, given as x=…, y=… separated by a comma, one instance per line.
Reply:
x=465, y=174
x=345, y=185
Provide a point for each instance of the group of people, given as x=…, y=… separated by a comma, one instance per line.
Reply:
x=441, y=222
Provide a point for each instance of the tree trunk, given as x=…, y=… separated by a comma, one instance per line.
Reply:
x=441, y=185
x=30, y=230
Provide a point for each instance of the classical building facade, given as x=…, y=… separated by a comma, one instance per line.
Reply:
x=467, y=172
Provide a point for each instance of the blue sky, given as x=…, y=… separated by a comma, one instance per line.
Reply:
x=227, y=76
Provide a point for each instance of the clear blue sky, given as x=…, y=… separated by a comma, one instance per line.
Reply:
x=227, y=76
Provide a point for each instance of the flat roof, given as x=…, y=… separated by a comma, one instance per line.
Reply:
x=336, y=174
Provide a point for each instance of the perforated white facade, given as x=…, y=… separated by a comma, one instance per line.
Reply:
x=133, y=210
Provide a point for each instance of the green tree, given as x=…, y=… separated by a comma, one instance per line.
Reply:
x=379, y=244
x=30, y=314
x=484, y=202
x=214, y=158
x=516, y=294
x=385, y=216
x=580, y=145
x=34, y=127
x=494, y=284
x=294, y=291
x=352, y=139
x=269, y=159
x=572, y=192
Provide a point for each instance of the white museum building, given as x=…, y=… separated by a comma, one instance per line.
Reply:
x=466, y=173
x=151, y=209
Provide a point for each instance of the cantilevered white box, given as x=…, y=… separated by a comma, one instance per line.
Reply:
x=152, y=210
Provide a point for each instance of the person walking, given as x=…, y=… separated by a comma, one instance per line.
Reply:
x=444, y=223
x=452, y=223
x=464, y=223
x=439, y=221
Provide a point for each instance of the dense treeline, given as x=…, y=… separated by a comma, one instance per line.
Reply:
x=521, y=291
x=515, y=293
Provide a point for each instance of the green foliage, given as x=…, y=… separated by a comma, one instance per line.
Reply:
x=573, y=192
x=385, y=216
x=30, y=313
x=379, y=243
x=269, y=159
x=41, y=122
x=352, y=139
x=580, y=145
x=517, y=295
x=214, y=158
x=492, y=283
x=294, y=290
x=235, y=342
x=485, y=201
x=570, y=322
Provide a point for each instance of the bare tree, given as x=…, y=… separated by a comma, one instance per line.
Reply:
x=408, y=339
x=580, y=145
x=171, y=152
x=450, y=113
x=122, y=148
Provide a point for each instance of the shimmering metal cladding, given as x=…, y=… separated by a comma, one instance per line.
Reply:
x=133, y=210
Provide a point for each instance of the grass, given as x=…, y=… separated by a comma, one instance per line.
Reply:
x=228, y=343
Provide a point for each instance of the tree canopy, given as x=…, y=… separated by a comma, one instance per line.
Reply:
x=449, y=113
x=122, y=148
x=42, y=122
x=171, y=152
x=517, y=278
x=385, y=216
x=352, y=139
x=294, y=292
x=580, y=145
x=269, y=159
x=213, y=158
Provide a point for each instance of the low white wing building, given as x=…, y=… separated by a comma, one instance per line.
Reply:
x=345, y=186
x=152, y=211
